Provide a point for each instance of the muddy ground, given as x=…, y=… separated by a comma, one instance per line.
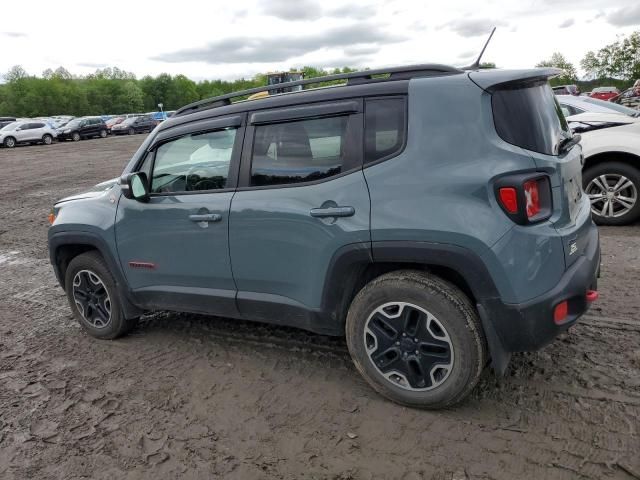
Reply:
x=192, y=397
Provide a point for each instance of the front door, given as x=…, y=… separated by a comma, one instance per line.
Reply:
x=174, y=248
x=301, y=198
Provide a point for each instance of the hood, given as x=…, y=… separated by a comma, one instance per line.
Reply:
x=94, y=192
x=603, y=117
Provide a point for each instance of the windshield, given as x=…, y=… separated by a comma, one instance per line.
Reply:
x=530, y=117
x=73, y=124
x=129, y=120
x=612, y=106
x=11, y=126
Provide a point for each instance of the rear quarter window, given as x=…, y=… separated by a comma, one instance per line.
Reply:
x=530, y=117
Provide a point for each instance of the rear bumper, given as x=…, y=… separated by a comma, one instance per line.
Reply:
x=529, y=326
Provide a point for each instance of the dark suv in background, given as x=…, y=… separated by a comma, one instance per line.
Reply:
x=81, y=128
x=434, y=217
x=132, y=125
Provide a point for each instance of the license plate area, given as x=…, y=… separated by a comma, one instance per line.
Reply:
x=574, y=195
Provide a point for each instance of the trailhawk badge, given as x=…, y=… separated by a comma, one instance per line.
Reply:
x=573, y=248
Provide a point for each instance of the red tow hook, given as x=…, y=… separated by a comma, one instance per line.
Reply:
x=592, y=296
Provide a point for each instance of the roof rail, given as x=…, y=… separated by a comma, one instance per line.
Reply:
x=353, y=78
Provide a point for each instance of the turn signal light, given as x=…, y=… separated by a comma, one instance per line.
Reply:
x=560, y=312
x=525, y=197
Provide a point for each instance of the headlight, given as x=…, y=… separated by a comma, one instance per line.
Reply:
x=67, y=131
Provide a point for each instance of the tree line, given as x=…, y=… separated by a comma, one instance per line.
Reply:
x=112, y=90
x=616, y=64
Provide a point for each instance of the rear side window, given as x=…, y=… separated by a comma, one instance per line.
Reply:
x=530, y=117
x=298, y=151
x=385, y=127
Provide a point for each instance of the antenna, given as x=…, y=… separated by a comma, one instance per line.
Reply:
x=475, y=65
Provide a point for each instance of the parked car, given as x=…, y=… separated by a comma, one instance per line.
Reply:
x=26, y=132
x=567, y=90
x=113, y=122
x=411, y=213
x=572, y=105
x=630, y=97
x=604, y=93
x=4, y=121
x=129, y=126
x=81, y=128
x=611, y=172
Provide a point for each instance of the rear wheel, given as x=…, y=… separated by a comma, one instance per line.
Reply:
x=131, y=131
x=47, y=139
x=9, y=142
x=93, y=297
x=75, y=137
x=613, y=189
x=416, y=339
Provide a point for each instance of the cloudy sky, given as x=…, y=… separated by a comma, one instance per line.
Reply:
x=233, y=39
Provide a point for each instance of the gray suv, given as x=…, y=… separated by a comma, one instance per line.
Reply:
x=431, y=215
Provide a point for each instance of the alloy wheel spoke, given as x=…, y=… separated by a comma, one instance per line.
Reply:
x=618, y=188
x=598, y=183
x=626, y=202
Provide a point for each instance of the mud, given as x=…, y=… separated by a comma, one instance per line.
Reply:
x=193, y=397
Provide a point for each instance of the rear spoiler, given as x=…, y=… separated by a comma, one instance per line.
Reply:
x=493, y=79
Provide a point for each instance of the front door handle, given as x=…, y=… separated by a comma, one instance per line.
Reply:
x=206, y=217
x=325, y=212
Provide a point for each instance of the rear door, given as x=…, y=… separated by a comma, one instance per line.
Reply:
x=174, y=248
x=302, y=197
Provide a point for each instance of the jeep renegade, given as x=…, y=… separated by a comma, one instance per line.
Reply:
x=434, y=216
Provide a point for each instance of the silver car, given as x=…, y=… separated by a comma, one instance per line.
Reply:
x=26, y=131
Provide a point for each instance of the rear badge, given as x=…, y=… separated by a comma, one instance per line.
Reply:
x=573, y=248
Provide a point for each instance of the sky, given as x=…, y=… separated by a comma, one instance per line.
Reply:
x=237, y=39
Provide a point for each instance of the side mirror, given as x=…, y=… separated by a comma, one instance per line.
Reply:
x=135, y=186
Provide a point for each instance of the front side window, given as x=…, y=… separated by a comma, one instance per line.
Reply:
x=193, y=163
x=385, y=120
x=299, y=151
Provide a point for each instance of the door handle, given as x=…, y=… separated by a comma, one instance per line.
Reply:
x=206, y=217
x=325, y=212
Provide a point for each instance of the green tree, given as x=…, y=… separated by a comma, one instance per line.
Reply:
x=620, y=60
x=557, y=60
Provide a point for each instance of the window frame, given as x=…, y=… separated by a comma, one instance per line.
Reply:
x=354, y=136
x=234, y=163
x=405, y=133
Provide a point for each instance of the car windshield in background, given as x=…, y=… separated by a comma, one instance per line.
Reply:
x=11, y=126
x=129, y=120
x=530, y=117
x=73, y=124
x=613, y=106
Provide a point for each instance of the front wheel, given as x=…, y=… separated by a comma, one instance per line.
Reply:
x=103, y=134
x=9, y=142
x=75, y=137
x=613, y=189
x=47, y=139
x=131, y=131
x=93, y=297
x=416, y=339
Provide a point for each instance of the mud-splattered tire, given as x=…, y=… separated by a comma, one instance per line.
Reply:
x=416, y=339
x=94, y=298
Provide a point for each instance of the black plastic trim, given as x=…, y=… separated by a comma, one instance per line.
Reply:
x=298, y=113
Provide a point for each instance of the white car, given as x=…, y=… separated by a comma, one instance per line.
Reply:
x=611, y=171
x=26, y=131
x=572, y=105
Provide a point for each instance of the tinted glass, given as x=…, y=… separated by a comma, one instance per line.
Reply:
x=37, y=125
x=193, y=163
x=530, y=117
x=300, y=151
x=385, y=121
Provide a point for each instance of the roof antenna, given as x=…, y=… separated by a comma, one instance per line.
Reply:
x=476, y=65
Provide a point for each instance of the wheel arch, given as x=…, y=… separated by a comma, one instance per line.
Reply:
x=612, y=156
x=65, y=246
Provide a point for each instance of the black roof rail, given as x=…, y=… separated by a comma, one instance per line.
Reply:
x=353, y=78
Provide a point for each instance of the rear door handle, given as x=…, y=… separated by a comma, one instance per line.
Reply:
x=206, y=217
x=325, y=212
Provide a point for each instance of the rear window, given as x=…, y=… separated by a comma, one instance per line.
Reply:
x=530, y=117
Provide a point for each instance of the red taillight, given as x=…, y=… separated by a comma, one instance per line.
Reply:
x=509, y=199
x=532, y=198
x=560, y=312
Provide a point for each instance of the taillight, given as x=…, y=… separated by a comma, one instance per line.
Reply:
x=525, y=198
x=509, y=199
